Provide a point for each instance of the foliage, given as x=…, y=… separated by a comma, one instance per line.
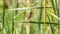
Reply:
x=13, y=21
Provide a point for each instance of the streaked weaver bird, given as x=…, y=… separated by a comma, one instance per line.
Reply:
x=28, y=15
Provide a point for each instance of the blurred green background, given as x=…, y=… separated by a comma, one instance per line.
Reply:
x=13, y=12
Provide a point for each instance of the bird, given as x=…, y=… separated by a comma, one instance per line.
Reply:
x=28, y=15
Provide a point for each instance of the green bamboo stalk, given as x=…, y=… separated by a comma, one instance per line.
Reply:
x=16, y=12
x=58, y=15
x=3, y=17
x=40, y=25
x=14, y=5
x=54, y=12
x=56, y=3
x=6, y=25
x=28, y=8
x=53, y=6
x=50, y=24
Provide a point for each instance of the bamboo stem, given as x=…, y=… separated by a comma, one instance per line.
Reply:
x=3, y=17
x=44, y=11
